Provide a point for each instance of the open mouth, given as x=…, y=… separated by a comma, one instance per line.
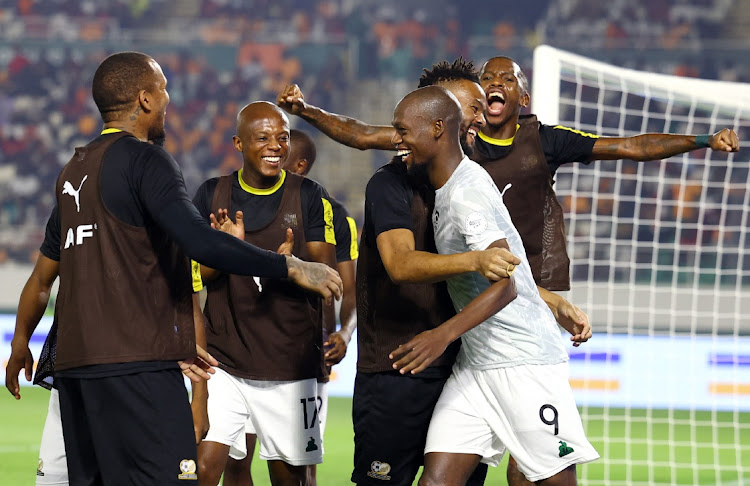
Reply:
x=471, y=135
x=272, y=160
x=403, y=153
x=495, y=103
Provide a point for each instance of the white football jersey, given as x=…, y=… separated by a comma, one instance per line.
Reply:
x=470, y=215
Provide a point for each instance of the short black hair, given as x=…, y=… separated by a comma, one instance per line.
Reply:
x=118, y=80
x=303, y=146
x=445, y=71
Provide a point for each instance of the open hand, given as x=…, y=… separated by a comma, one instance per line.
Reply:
x=222, y=222
x=419, y=353
x=200, y=367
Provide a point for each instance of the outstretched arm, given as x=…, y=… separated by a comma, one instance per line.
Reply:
x=31, y=306
x=416, y=355
x=345, y=130
x=405, y=264
x=658, y=146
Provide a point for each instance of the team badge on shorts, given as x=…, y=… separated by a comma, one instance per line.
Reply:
x=311, y=446
x=39, y=467
x=379, y=470
x=564, y=449
x=187, y=468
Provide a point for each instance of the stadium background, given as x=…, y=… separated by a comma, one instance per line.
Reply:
x=670, y=425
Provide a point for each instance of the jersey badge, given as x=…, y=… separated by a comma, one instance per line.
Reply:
x=290, y=220
x=76, y=193
x=435, y=219
x=39, y=468
x=476, y=223
x=379, y=470
x=187, y=470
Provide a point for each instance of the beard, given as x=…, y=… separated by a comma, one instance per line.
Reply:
x=465, y=146
x=157, y=131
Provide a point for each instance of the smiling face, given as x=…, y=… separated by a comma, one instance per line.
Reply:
x=263, y=138
x=505, y=87
x=413, y=138
x=473, y=107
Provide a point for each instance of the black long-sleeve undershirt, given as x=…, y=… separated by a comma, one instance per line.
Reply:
x=215, y=249
x=141, y=184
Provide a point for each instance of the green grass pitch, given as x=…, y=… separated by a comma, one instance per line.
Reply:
x=644, y=459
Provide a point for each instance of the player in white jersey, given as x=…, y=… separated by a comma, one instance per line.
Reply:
x=509, y=388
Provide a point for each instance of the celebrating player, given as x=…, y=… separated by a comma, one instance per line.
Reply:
x=266, y=334
x=302, y=155
x=394, y=203
x=513, y=363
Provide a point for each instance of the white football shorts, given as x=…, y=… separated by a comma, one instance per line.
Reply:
x=53, y=465
x=283, y=414
x=527, y=410
x=322, y=399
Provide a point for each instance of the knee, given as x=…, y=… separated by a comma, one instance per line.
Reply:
x=209, y=472
x=428, y=479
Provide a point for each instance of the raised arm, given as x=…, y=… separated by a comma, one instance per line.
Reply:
x=31, y=306
x=658, y=146
x=344, y=130
x=404, y=264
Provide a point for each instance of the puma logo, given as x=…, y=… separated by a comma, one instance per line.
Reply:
x=68, y=189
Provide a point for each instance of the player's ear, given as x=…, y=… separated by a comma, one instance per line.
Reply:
x=438, y=127
x=237, y=143
x=525, y=99
x=144, y=100
x=303, y=167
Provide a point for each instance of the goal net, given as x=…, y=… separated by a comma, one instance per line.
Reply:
x=660, y=260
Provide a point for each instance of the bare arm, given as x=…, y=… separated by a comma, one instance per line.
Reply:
x=199, y=399
x=31, y=306
x=348, y=313
x=322, y=252
x=658, y=146
x=405, y=264
x=342, y=129
x=416, y=355
x=568, y=315
x=338, y=341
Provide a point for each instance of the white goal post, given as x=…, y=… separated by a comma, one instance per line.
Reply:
x=660, y=260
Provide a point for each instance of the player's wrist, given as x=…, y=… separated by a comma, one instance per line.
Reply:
x=703, y=141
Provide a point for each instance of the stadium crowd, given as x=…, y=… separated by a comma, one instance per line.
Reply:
x=49, y=49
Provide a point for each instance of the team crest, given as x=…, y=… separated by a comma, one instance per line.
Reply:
x=187, y=470
x=564, y=449
x=379, y=470
x=39, y=468
x=290, y=220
